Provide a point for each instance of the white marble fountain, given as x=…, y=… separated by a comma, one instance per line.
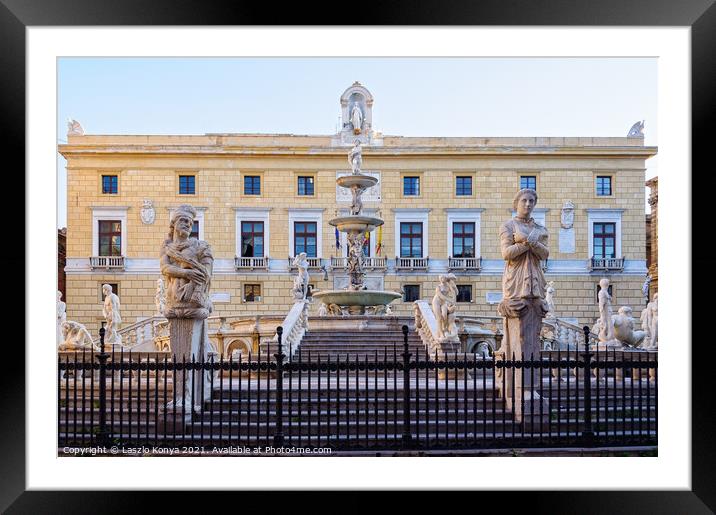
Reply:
x=356, y=297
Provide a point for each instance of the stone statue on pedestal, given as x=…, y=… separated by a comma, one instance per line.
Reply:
x=186, y=265
x=444, y=306
x=300, y=283
x=75, y=336
x=606, y=325
x=160, y=297
x=549, y=298
x=623, y=323
x=650, y=322
x=112, y=316
x=355, y=158
x=523, y=243
x=61, y=317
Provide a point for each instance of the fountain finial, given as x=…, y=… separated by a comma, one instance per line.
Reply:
x=355, y=158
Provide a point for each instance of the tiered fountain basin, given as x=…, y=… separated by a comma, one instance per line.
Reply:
x=357, y=301
x=355, y=223
x=362, y=181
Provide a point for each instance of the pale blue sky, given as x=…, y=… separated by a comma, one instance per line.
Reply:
x=413, y=97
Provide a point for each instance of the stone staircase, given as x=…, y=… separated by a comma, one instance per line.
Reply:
x=359, y=345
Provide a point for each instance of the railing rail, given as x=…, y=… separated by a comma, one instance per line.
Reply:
x=368, y=263
x=377, y=400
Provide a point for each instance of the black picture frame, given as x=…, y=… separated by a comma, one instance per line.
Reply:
x=700, y=15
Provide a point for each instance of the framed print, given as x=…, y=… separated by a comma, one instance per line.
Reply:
x=275, y=237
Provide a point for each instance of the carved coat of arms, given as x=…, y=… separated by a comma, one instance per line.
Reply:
x=147, y=213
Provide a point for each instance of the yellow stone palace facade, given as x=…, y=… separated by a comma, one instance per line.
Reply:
x=263, y=198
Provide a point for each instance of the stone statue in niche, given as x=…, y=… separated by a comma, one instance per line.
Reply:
x=356, y=118
x=112, y=316
x=444, y=305
x=567, y=217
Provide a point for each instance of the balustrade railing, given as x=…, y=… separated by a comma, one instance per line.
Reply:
x=250, y=263
x=467, y=264
x=369, y=263
x=606, y=264
x=107, y=262
x=411, y=263
x=313, y=262
x=294, y=327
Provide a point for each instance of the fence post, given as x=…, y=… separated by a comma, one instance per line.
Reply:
x=407, y=435
x=278, y=435
x=587, y=433
x=103, y=433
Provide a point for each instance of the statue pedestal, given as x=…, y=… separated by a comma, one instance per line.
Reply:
x=189, y=338
x=521, y=342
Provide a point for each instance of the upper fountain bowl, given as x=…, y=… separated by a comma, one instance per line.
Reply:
x=362, y=181
x=355, y=223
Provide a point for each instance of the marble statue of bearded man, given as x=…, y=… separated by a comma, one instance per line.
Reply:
x=186, y=265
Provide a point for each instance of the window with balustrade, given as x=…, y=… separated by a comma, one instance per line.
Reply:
x=411, y=239
x=463, y=239
x=110, y=237
x=252, y=239
x=604, y=240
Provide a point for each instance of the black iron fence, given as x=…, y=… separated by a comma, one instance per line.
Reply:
x=388, y=400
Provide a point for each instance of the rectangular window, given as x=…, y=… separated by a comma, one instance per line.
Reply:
x=110, y=238
x=305, y=185
x=252, y=293
x=252, y=239
x=115, y=290
x=411, y=186
x=604, y=186
x=187, y=185
x=463, y=239
x=464, y=293
x=411, y=239
x=411, y=292
x=252, y=185
x=528, y=181
x=304, y=238
x=194, y=230
x=604, y=240
x=110, y=184
x=463, y=186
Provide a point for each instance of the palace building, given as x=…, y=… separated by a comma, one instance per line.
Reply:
x=262, y=199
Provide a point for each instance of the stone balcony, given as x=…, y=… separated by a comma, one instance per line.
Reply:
x=411, y=263
x=369, y=263
x=465, y=264
x=313, y=263
x=596, y=264
x=107, y=262
x=251, y=263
